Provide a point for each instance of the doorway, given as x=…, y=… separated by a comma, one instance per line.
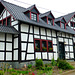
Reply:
x=61, y=50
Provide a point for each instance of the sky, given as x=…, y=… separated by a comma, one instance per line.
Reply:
x=58, y=7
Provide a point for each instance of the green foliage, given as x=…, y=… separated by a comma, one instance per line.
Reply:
x=48, y=68
x=58, y=60
x=30, y=66
x=53, y=62
x=11, y=70
x=46, y=65
x=38, y=63
x=14, y=73
x=1, y=73
x=63, y=64
x=49, y=72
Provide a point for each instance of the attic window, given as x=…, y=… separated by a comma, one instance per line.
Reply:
x=72, y=24
x=62, y=25
x=33, y=16
x=50, y=21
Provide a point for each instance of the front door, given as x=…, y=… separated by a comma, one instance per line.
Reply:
x=61, y=50
x=74, y=51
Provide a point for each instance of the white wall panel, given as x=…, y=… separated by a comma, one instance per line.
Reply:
x=58, y=33
x=14, y=22
x=48, y=32
x=9, y=46
x=66, y=40
x=8, y=56
x=43, y=31
x=24, y=28
x=23, y=55
x=70, y=36
x=30, y=56
x=53, y=33
x=50, y=56
x=24, y=37
x=2, y=37
x=38, y=55
x=70, y=42
x=67, y=55
x=63, y=34
x=36, y=30
x=36, y=36
x=30, y=38
x=9, y=37
x=43, y=37
x=61, y=40
x=55, y=56
x=54, y=41
x=12, y=19
x=49, y=38
x=30, y=48
x=16, y=27
x=66, y=48
x=8, y=14
x=16, y=43
x=1, y=55
x=31, y=29
x=67, y=35
x=0, y=18
x=54, y=48
x=23, y=46
x=4, y=14
x=15, y=54
x=2, y=46
x=71, y=48
x=44, y=55
x=74, y=39
x=71, y=55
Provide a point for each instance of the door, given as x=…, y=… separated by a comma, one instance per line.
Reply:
x=61, y=50
x=74, y=51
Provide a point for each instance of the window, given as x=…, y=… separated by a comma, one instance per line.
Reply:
x=43, y=45
x=72, y=24
x=33, y=16
x=8, y=21
x=50, y=21
x=62, y=25
x=0, y=22
x=4, y=22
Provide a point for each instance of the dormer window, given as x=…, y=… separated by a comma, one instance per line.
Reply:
x=50, y=21
x=72, y=24
x=33, y=16
x=62, y=25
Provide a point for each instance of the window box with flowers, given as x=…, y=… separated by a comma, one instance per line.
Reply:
x=37, y=49
x=44, y=48
x=50, y=50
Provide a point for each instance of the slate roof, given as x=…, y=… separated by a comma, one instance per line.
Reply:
x=8, y=29
x=18, y=14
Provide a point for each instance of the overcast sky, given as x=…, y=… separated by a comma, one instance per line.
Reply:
x=58, y=7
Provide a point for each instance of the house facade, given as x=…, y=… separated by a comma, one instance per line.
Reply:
x=26, y=34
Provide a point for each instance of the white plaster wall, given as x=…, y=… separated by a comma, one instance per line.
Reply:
x=71, y=48
x=55, y=56
x=67, y=35
x=67, y=55
x=30, y=56
x=2, y=46
x=43, y=37
x=2, y=37
x=8, y=14
x=54, y=48
x=4, y=15
x=31, y=29
x=66, y=48
x=24, y=28
x=63, y=34
x=38, y=55
x=66, y=40
x=8, y=56
x=48, y=32
x=15, y=54
x=36, y=30
x=14, y=22
x=1, y=55
x=24, y=37
x=9, y=37
x=23, y=55
x=74, y=39
x=58, y=33
x=70, y=36
x=23, y=46
x=36, y=36
x=43, y=31
x=30, y=38
x=70, y=42
x=44, y=55
x=54, y=41
x=50, y=56
x=61, y=40
x=71, y=55
x=53, y=33
x=49, y=38
x=16, y=27
x=12, y=19
x=9, y=46
x=16, y=43
x=30, y=48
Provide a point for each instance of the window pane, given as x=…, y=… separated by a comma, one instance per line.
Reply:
x=50, y=46
x=62, y=25
x=9, y=21
x=0, y=22
x=74, y=24
x=71, y=24
x=50, y=21
x=37, y=45
x=34, y=17
x=4, y=22
x=44, y=46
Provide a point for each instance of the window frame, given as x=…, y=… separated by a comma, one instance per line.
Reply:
x=6, y=20
x=72, y=23
x=64, y=25
x=41, y=50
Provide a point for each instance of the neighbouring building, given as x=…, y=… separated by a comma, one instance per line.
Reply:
x=26, y=34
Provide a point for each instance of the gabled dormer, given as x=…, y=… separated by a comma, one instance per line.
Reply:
x=33, y=13
x=48, y=18
x=61, y=22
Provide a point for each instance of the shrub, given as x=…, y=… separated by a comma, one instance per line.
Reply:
x=1, y=73
x=38, y=63
x=46, y=65
x=30, y=66
x=53, y=62
x=48, y=68
x=49, y=72
x=63, y=64
x=14, y=73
